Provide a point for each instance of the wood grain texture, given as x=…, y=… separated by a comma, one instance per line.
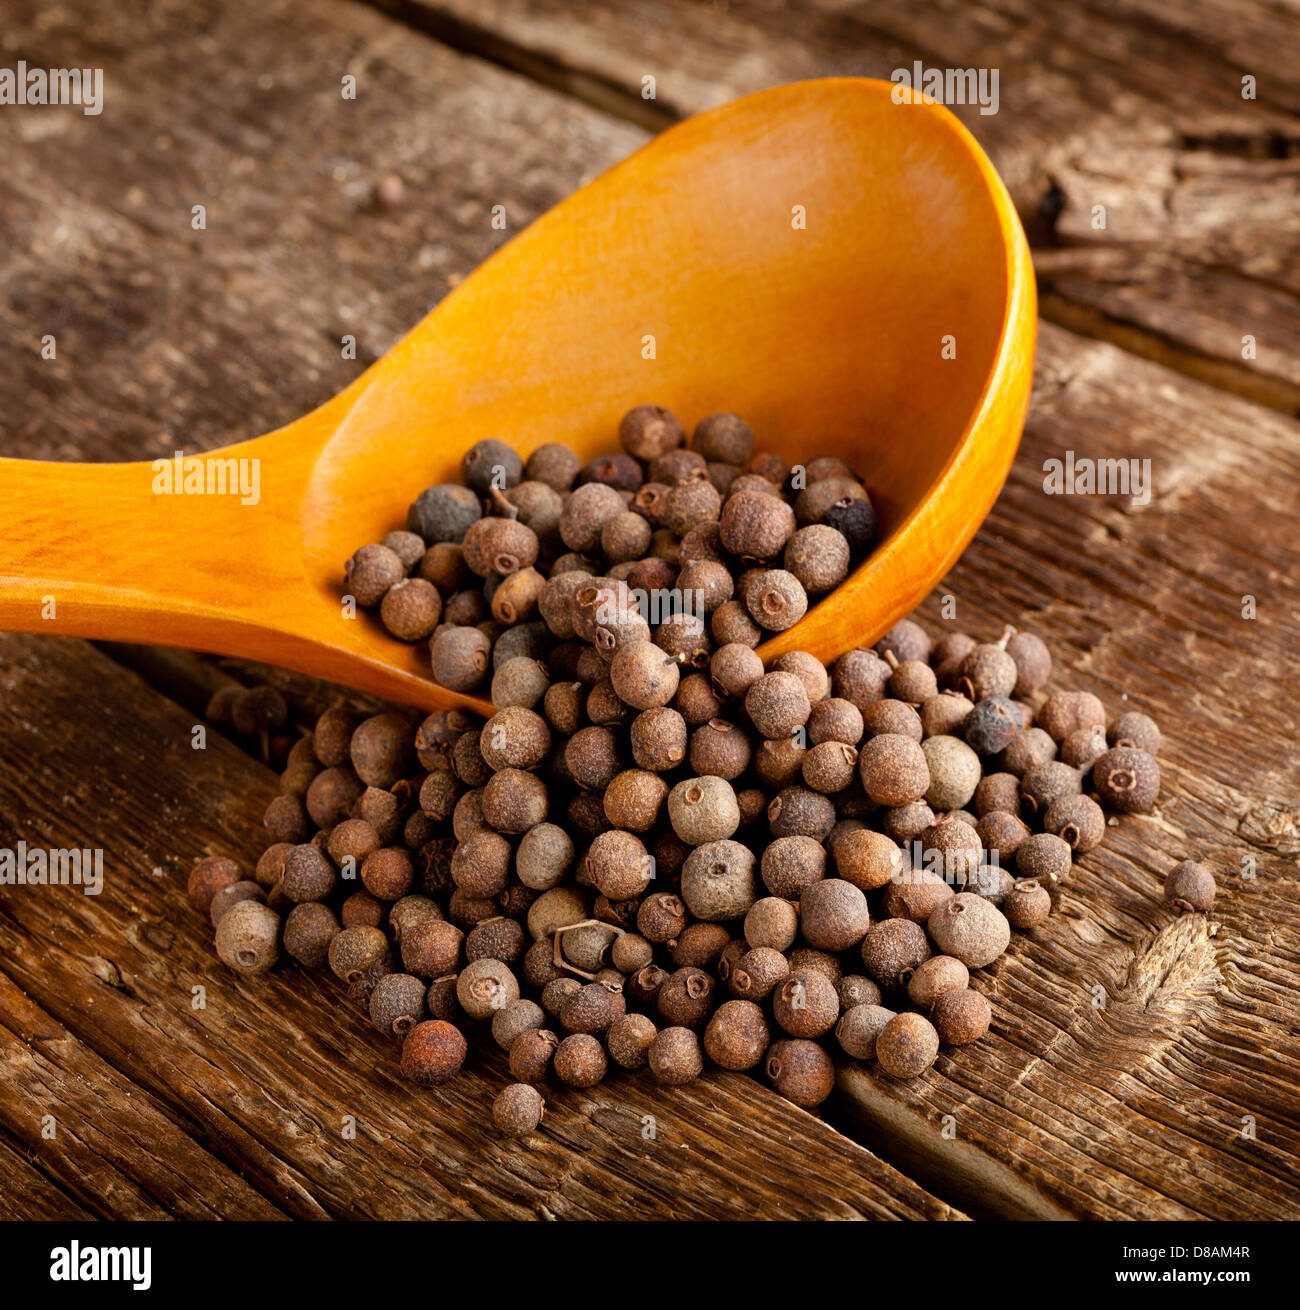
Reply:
x=266, y=1072
x=1135, y=105
x=1171, y=1092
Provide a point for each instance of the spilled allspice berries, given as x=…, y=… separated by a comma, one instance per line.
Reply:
x=659, y=854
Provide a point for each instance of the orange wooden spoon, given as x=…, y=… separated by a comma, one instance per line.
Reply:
x=846, y=272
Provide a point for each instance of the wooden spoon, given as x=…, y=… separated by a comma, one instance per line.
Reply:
x=846, y=272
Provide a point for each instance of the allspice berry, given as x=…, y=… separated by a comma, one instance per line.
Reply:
x=370, y=573
x=687, y=997
x=792, y=864
x=580, y=1059
x=776, y=600
x=801, y=1071
x=833, y=915
x=518, y=1017
x=210, y=875
x=719, y=881
x=777, y=704
x=308, y=874
x=757, y=972
x=806, y=1004
x=517, y=1109
x=355, y=950
x=1064, y=712
x=593, y=1008
x=1043, y=783
x=954, y=770
x=993, y=725
x=933, y=977
x=819, y=557
x=772, y=922
x=737, y=1036
x=643, y=676
x=857, y=989
x=1044, y=857
x=726, y=438
x=830, y=767
x=1077, y=820
x=628, y=1040
x=867, y=859
x=411, y=609
x=755, y=526
x=397, y=1004
x=459, y=657
x=248, y=937
x=960, y=1017
x=893, y=770
x=484, y=987
x=1027, y=904
x=971, y=928
x=1190, y=887
x=1033, y=662
x=907, y=1046
x=532, y=1054
x=859, y=1027
x=892, y=950
x=703, y=810
x=433, y=1052
x=308, y=930
x=1127, y=779
x=988, y=670
x=1135, y=730
x=649, y=432
x=619, y=865
x=674, y=1057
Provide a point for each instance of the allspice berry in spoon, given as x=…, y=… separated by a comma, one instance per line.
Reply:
x=1190, y=887
x=248, y=937
x=724, y=437
x=970, y=928
x=776, y=600
x=960, y=1017
x=1127, y=779
x=459, y=657
x=370, y=573
x=818, y=557
x=649, y=432
x=517, y=1110
x=433, y=1052
x=801, y=1071
x=907, y=1046
x=755, y=526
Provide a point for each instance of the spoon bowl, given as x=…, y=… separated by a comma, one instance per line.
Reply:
x=846, y=272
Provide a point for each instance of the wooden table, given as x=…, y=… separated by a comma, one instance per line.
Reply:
x=1139, y=1066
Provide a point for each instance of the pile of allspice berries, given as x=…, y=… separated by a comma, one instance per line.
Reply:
x=657, y=852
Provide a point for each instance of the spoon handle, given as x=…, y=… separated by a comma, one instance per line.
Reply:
x=161, y=551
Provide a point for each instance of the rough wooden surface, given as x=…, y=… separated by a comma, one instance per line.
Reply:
x=1135, y=1109
x=158, y=1100
x=1136, y=106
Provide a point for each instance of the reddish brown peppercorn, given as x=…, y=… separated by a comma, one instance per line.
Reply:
x=433, y=1053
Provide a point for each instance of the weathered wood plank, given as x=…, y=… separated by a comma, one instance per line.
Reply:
x=29, y=1194
x=1144, y=1108
x=1137, y=106
x=174, y=338
x=266, y=1072
x=106, y=1140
